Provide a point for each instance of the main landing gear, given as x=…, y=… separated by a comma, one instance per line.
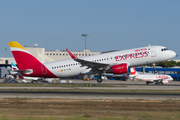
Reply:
x=99, y=79
x=147, y=82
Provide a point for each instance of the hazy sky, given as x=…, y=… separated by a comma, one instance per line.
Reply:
x=112, y=24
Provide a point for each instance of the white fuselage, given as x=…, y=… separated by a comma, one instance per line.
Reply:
x=133, y=57
x=152, y=78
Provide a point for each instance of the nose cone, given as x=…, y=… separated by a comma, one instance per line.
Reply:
x=172, y=54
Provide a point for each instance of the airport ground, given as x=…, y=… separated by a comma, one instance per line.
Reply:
x=89, y=100
x=69, y=109
x=79, y=89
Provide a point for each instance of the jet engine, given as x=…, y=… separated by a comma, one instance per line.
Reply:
x=119, y=69
x=165, y=82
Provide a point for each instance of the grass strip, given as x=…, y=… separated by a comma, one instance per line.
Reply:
x=55, y=109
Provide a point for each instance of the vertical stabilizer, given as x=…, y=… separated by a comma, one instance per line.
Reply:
x=14, y=67
x=28, y=65
x=133, y=71
x=22, y=56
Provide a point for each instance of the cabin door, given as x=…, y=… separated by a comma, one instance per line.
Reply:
x=43, y=69
x=153, y=52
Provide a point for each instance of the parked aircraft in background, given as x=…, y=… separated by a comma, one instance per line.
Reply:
x=150, y=78
x=116, y=62
x=15, y=72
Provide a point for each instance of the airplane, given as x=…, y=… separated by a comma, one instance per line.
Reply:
x=15, y=73
x=150, y=78
x=116, y=62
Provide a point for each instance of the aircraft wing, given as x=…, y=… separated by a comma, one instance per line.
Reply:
x=93, y=65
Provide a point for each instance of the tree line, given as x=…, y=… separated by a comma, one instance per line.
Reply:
x=167, y=64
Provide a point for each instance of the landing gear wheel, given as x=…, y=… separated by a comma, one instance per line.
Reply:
x=147, y=83
x=155, y=71
x=99, y=80
x=158, y=83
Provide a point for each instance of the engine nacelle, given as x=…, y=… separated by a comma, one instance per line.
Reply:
x=119, y=69
x=165, y=82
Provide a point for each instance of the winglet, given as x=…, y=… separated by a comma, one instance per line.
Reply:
x=72, y=55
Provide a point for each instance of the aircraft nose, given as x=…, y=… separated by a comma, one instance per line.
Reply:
x=172, y=54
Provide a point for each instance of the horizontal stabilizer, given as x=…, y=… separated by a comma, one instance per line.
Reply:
x=24, y=71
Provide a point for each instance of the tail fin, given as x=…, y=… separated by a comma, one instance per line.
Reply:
x=22, y=56
x=133, y=71
x=14, y=67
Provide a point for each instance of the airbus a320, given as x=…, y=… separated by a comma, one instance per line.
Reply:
x=115, y=62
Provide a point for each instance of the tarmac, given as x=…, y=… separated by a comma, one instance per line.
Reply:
x=119, y=85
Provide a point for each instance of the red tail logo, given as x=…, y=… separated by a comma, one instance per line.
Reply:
x=26, y=60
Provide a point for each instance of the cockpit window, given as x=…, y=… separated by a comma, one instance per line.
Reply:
x=164, y=49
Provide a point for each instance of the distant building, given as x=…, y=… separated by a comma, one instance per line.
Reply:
x=61, y=55
x=49, y=56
